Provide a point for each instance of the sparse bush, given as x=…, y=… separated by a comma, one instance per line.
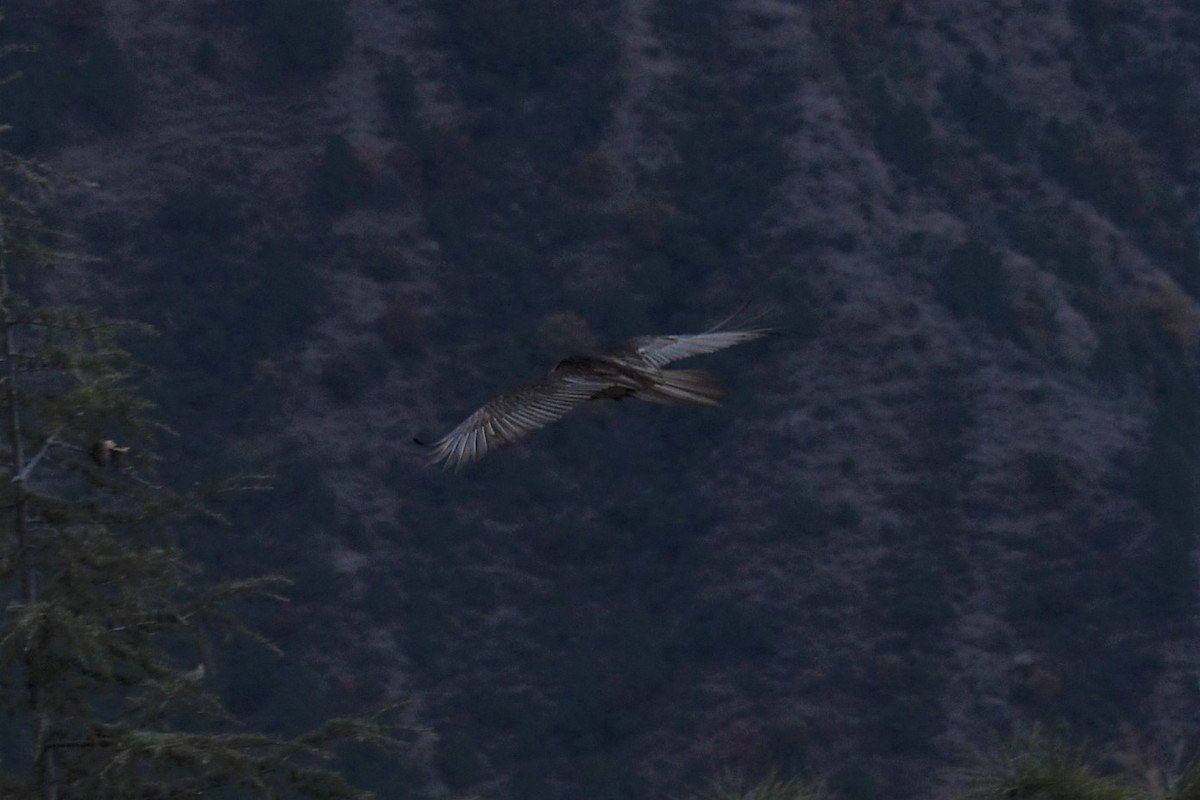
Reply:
x=1176, y=316
x=401, y=326
x=984, y=113
x=902, y=130
x=1157, y=101
x=341, y=179
x=207, y=58
x=1045, y=769
x=222, y=311
x=316, y=581
x=305, y=35
x=845, y=515
x=283, y=296
x=490, y=708
x=1103, y=169
x=770, y=788
x=458, y=759
x=802, y=514
x=647, y=221
x=408, y=163
x=854, y=27
x=972, y=283
x=856, y=781
x=398, y=91
x=907, y=724
x=1169, y=484
x=722, y=630
x=1108, y=168
x=513, y=47
x=583, y=712
x=59, y=80
x=1048, y=474
x=699, y=28
x=252, y=679
x=595, y=174
x=730, y=137
x=1095, y=17
x=200, y=217
x=76, y=15
x=1052, y=236
x=609, y=680
x=539, y=86
x=1125, y=346
x=1168, y=585
x=106, y=86
x=347, y=376
x=300, y=37
x=35, y=104
x=917, y=597
x=1044, y=600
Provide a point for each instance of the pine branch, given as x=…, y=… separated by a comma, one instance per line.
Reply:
x=23, y=475
x=106, y=604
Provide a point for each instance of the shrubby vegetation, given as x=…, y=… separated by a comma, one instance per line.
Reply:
x=341, y=179
x=1035, y=767
x=1169, y=487
x=297, y=38
x=514, y=49
x=769, y=788
x=495, y=186
x=397, y=89
x=972, y=282
x=1108, y=168
x=901, y=126
x=518, y=179
x=346, y=376
x=731, y=126
x=86, y=77
x=106, y=85
x=1043, y=767
x=1170, y=480
x=201, y=218
x=222, y=309
x=984, y=112
x=1055, y=239
x=802, y=514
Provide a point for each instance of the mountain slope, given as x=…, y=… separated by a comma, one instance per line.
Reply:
x=954, y=500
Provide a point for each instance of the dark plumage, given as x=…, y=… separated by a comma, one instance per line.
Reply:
x=632, y=369
x=106, y=452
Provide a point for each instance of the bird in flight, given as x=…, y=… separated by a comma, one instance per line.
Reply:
x=632, y=369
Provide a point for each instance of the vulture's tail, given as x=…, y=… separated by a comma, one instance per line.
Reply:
x=683, y=387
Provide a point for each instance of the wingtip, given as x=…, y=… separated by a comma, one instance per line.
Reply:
x=747, y=320
x=436, y=459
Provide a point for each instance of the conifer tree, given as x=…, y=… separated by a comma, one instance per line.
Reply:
x=772, y=787
x=104, y=670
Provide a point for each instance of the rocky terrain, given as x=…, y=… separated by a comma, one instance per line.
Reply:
x=955, y=500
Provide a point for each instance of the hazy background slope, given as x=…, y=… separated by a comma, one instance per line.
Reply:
x=956, y=499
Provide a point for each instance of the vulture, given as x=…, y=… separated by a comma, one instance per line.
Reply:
x=106, y=452
x=632, y=369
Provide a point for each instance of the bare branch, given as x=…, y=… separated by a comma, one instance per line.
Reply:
x=23, y=475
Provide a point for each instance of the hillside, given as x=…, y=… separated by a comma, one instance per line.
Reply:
x=956, y=499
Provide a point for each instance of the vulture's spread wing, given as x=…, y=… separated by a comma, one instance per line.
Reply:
x=658, y=351
x=513, y=414
x=631, y=369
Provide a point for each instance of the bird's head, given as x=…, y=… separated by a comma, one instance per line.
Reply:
x=574, y=361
